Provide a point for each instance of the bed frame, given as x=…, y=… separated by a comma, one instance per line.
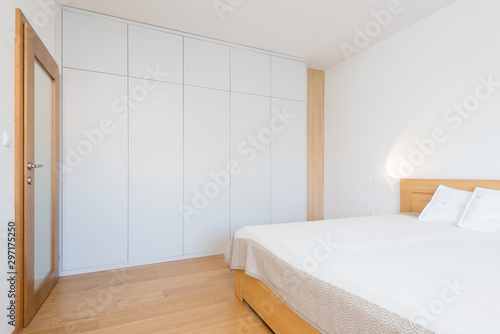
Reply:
x=415, y=195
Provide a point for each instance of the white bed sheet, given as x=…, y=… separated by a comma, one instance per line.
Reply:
x=442, y=277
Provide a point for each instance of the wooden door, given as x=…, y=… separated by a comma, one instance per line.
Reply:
x=41, y=176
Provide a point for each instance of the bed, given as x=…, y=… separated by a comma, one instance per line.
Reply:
x=383, y=274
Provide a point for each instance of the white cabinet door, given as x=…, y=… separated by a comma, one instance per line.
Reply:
x=155, y=55
x=95, y=167
x=288, y=161
x=156, y=172
x=288, y=78
x=94, y=44
x=250, y=72
x=207, y=181
x=206, y=64
x=251, y=148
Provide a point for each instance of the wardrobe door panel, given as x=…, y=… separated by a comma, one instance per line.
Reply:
x=206, y=64
x=155, y=55
x=288, y=78
x=250, y=72
x=288, y=161
x=212, y=139
x=251, y=148
x=207, y=179
x=94, y=44
x=156, y=171
x=95, y=168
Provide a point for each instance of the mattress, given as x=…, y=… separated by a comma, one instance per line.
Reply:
x=382, y=274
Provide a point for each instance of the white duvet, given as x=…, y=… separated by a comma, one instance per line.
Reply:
x=442, y=277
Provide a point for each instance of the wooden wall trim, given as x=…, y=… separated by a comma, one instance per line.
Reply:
x=315, y=144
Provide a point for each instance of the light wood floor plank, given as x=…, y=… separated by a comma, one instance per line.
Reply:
x=190, y=296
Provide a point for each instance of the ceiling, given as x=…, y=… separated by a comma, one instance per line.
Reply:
x=313, y=29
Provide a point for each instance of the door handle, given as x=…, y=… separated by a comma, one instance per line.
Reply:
x=33, y=166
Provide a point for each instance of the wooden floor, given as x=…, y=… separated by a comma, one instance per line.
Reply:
x=191, y=296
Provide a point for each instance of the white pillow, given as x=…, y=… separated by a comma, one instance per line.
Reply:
x=446, y=206
x=483, y=211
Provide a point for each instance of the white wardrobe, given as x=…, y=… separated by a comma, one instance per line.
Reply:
x=172, y=142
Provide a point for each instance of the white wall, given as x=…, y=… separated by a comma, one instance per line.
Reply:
x=41, y=14
x=398, y=92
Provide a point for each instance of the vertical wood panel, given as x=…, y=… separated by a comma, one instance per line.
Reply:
x=315, y=144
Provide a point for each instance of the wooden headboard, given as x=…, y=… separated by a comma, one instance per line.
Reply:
x=417, y=193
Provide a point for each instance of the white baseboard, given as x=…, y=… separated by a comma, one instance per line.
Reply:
x=136, y=264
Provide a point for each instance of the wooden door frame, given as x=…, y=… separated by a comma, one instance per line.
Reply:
x=23, y=92
x=19, y=168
